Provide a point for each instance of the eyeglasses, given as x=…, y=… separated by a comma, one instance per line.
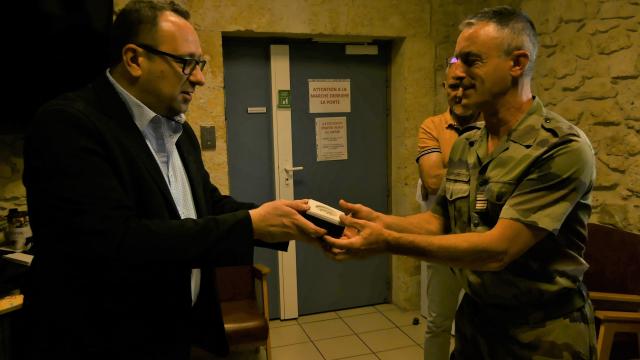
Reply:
x=188, y=63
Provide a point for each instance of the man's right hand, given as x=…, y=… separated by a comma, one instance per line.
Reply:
x=280, y=220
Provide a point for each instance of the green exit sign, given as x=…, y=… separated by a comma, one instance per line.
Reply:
x=284, y=98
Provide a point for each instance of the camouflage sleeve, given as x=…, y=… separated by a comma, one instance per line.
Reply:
x=559, y=179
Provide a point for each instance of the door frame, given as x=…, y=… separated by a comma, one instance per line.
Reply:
x=283, y=176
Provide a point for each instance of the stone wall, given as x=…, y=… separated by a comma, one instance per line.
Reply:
x=588, y=69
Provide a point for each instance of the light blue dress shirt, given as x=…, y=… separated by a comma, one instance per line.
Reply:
x=161, y=135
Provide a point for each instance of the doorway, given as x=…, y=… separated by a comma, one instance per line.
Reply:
x=322, y=284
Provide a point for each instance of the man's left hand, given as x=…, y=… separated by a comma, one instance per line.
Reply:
x=360, y=238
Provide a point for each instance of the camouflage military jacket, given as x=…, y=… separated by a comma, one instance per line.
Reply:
x=542, y=175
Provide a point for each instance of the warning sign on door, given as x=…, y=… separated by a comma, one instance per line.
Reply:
x=329, y=96
x=331, y=138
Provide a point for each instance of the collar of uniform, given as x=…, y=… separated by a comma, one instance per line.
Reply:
x=472, y=126
x=524, y=133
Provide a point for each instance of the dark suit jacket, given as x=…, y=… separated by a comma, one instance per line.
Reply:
x=111, y=273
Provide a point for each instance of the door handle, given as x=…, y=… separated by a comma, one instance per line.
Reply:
x=292, y=169
x=288, y=173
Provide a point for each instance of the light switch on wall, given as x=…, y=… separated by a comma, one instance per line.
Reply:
x=208, y=137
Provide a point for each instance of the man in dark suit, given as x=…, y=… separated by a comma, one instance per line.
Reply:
x=127, y=225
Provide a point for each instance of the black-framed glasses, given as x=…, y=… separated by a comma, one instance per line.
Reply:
x=188, y=63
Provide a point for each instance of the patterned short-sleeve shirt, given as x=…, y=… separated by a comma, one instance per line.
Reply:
x=541, y=175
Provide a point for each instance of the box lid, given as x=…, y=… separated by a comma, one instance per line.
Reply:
x=324, y=212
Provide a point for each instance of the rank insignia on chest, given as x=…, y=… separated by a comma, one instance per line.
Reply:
x=481, y=201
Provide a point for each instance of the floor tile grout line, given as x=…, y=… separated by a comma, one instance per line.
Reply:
x=383, y=315
x=313, y=321
x=340, y=317
x=376, y=353
x=402, y=347
x=359, y=338
x=395, y=348
x=332, y=337
x=293, y=322
x=365, y=344
x=371, y=306
x=296, y=343
x=410, y=337
x=312, y=342
x=319, y=321
x=370, y=331
x=362, y=332
x=394, y=326
x=353, y=357
x=305, y=333
x=399, y=328
x=388, y=318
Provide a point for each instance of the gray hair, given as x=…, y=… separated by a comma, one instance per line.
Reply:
x=517, y=26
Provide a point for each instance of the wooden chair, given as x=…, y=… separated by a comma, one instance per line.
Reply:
x=244, y=300
x=613, y=283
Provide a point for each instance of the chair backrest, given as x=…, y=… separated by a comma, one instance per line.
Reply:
x=235, y=283
x=614, y=260
x=245, y=315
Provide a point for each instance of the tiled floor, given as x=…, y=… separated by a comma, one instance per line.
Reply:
x=382, y=332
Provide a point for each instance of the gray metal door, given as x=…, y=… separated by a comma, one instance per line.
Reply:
x=323, y=284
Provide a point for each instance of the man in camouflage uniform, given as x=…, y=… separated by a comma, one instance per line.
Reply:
x=514, y=205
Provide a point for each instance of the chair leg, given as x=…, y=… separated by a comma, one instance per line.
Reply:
x=268, y=347
x=605, y=339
